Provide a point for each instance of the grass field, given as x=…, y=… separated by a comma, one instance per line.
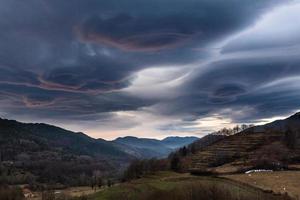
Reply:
x=168, y=181
x=69, y=192
x=279, y=182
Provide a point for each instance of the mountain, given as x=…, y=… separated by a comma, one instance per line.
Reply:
x=41, y=153
x=149, y=148
x=145, y=148
x=177, y=142
x=273, y=145
x=48, y=136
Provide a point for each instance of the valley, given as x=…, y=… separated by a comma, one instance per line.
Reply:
x=72, y=165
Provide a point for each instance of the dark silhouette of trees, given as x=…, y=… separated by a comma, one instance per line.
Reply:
x=99, y=182
x=10, y=193
x=291, y=138
x=273, y=156
x=183, y=151
x=175, y=162
x=231, y=131
x=138, y=168
x=109, y=183
x=193, y=148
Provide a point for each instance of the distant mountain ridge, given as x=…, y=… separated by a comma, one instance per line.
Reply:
x=148, y=148
x=175, y=142
x=52, y=137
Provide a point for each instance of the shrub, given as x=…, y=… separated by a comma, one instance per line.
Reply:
x=11, y=193
x=291, y=138
x=222, y=158
x=273, y=157
x=138, y=168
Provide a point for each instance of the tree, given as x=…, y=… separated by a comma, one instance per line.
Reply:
x=291, y=138
x=109, y=183
x=236, y=129
x=183, y=151
x=93, y=182
x=99, y=182
x=193, y=148
x=134, y=170
x=175, y=162
x=273, y=156
x=225, y=131
x=138, y=168
x=244, y=126
x=221, y=158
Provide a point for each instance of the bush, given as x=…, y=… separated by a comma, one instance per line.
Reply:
x=138, y=168
x=274, y=157
x=222, y=158
x=175, y=162
x=291, y=138
x=11, y=193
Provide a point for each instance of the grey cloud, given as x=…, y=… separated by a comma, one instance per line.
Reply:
x=260, y=87
x=70, y=59
x=200, y=22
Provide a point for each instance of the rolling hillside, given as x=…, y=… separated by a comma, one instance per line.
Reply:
x=42, y=153
x=50, y=137
x=270, y=141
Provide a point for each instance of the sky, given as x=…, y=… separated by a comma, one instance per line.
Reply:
x=149, y=68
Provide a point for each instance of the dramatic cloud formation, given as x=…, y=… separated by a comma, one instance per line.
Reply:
x=149, y=68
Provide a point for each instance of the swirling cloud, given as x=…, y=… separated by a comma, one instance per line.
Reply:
x=178, y=61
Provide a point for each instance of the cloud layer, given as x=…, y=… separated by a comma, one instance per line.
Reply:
x=188, y=63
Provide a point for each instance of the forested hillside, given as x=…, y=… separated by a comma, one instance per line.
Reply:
x=41, y=153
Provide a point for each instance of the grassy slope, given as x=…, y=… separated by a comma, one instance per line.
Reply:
x=279, y=182
x=167, y=181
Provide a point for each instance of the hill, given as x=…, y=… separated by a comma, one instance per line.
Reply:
x=177, y=142
x=41, y=153
x=149, y=148
x=272, y=145
x=51, y=137
x=292, y=122
x=144, y=148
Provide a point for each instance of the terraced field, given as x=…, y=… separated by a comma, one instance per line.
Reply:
x=232, y=148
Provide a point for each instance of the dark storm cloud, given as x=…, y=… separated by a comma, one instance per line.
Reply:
x=198, y=22
x=98, y=75
x=72, y=58
x=249, y=82
x=245, y=87
x=35, y=102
